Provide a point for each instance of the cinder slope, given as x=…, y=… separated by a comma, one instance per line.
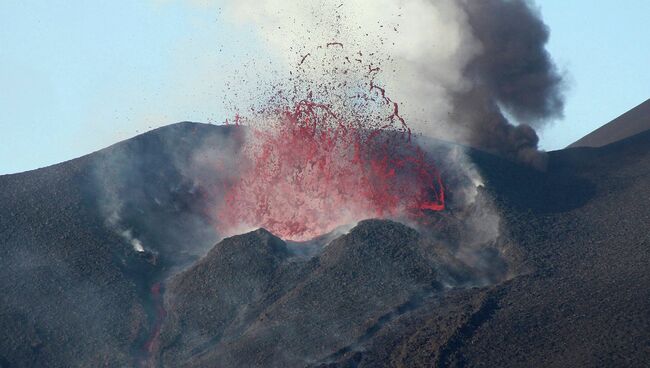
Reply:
x=67, y=298
x=73, y=292
x=588, y=302
x=248, y=304
x=631, y=123
x=216, y=298
x=585, y=301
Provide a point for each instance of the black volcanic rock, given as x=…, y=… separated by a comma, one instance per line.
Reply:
x=587, y=302
x=67, y=297
x=584, y=300
x=304, y=311
x=211, y=301
x=75, y=293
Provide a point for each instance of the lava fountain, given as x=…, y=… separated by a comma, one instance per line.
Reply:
x=339, y=154
x=315, y=171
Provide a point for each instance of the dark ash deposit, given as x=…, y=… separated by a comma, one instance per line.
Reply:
x=567, y=282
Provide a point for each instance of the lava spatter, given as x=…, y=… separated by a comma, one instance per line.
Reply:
x=339, y=154
x=314, y=172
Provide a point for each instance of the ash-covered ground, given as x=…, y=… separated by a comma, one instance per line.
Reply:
x=82, y=243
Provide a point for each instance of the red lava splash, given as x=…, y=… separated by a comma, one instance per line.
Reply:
x=339, y=155
x=314, y=172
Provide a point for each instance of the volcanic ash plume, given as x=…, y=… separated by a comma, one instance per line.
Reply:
x=458, y=68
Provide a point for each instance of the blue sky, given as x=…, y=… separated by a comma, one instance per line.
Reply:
x=604, y=47
x=76, y=76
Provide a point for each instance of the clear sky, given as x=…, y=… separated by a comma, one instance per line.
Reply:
x=76, y=76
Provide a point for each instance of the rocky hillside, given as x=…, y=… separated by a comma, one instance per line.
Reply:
x=110, y=260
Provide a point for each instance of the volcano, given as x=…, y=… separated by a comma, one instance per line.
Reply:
x=113, y=259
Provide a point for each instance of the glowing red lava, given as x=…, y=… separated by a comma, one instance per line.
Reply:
x=151, y=344
x=314, y=171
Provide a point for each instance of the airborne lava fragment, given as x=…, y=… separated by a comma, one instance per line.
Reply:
x=315, y=171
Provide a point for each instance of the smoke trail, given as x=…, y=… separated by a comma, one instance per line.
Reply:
x=459, y=68
x=512, y=73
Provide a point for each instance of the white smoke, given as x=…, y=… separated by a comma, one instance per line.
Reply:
x=410, y=39
x=110, y=202
x=460, y=69
x=135, y=242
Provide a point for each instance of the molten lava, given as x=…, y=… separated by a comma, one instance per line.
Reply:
x=313, y=171
x=152, y=342
x=328, y=149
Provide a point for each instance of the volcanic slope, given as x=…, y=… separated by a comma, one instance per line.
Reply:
x=585, y=301
x=631, y=123
x=75, y=292
x=373, y=297
x=249, y=303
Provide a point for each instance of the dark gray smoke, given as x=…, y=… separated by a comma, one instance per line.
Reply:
x=514, y=66
x=512, y=73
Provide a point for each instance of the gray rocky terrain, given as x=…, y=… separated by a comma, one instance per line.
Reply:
x=566, y=284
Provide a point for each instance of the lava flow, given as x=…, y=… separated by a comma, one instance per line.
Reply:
x=315, y=171
x=151, y=345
